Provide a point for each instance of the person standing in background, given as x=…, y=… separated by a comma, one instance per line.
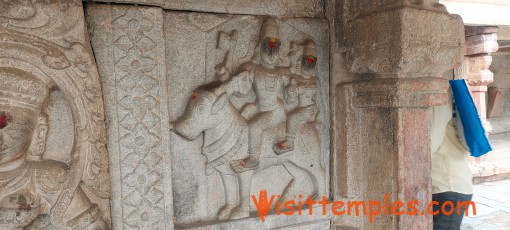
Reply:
x=451, y=175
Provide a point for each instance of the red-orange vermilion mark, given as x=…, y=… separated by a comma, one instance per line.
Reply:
x=195, y=96
x=273, y=43
x=3, y=120
x=311, y=59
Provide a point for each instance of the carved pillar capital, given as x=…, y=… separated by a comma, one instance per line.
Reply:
x=481, y=40
x=409, y=41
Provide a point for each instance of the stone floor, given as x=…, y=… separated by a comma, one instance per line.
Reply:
x=492, y=201
x=495, y=165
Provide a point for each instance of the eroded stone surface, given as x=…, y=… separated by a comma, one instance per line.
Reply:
x=129, y=45
x=391, y=44
x=228, y=49
x=285, y=8
x=396, y=49
x=53, y=164
x=157, y=67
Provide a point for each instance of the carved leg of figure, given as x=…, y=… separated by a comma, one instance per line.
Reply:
x=257, y=125
x=232, y=187
x=296, y=117
x=243, y=210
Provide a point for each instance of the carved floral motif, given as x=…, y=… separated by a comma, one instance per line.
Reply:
x=139, y=125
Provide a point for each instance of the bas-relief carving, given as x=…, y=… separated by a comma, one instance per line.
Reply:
x=46, y=62
x=155, y=60
x=263, y=115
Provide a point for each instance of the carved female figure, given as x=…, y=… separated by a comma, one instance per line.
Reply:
x=31, y=188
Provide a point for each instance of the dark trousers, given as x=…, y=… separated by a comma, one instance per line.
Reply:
x=447, y=221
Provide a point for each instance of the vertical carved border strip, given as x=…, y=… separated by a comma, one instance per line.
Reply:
x=129, y=46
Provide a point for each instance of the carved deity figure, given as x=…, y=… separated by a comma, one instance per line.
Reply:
x=267, y=79
x=30, y=188
x=304, y=88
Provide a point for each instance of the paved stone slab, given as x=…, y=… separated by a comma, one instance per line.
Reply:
x=492, y=201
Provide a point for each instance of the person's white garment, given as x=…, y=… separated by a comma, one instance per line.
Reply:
x=450, y=159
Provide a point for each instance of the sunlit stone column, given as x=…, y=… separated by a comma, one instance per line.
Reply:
x=481, y=41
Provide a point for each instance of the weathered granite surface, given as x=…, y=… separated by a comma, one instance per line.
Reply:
x=153, y=62
x=232, y=42
x=203, y=110
x=129, y=45
x=397, y=50
x=283, y=8
x=53, y=158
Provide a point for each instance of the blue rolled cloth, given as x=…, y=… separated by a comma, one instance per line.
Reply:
x=474, y=133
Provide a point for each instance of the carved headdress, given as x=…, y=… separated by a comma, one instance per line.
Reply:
x=269, y=37
x=309, y=58
x=22, y=90
x=269, y=29
x=25, y=92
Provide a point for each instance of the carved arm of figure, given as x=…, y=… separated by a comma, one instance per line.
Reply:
x=83, y=214
x=240, y=83
x=290, y=95
x=315, y=110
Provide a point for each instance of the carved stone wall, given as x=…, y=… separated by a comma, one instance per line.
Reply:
x=203, y=110
x=153, y=62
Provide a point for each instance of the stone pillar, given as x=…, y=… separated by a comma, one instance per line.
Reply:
x=398, y=51
x=481, y=41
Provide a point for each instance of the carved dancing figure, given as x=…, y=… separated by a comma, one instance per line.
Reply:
x=305, y=87
x=268, y=80
x=30, y=190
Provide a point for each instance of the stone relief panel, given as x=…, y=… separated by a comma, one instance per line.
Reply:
x=250, y=111
x=178, y=160
x=286, y=8
x=53, y=158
